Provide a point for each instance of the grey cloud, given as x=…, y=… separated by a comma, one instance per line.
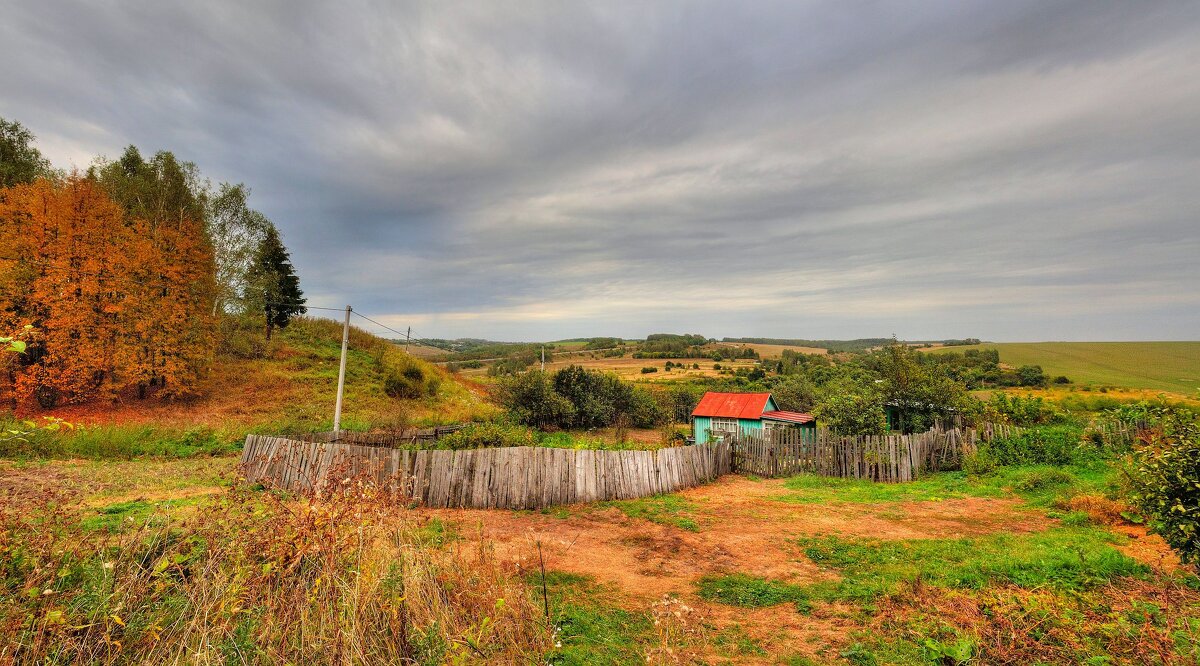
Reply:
x=1016, y=170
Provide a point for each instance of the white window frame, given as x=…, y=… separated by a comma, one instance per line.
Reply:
x=724, y=425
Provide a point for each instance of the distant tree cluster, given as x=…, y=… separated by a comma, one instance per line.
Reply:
x=578, y=398
x=980, y=368
x=117, y=276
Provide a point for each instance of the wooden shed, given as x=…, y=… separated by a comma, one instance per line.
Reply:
x=721, y=414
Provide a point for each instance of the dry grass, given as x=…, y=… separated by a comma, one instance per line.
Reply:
x=350, y=578
x=289, y=384
x=631, y=368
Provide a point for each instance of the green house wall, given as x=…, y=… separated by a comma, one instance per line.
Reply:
x=702, y=424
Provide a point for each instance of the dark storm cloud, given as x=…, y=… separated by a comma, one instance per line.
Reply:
x=1016, y=170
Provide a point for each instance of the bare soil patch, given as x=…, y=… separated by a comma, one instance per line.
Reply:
x=742, y=528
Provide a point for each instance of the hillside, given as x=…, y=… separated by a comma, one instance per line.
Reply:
x=289, y=385
x=1160, y=366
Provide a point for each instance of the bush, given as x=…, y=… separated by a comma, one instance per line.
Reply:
x=1049, y=445
x=1062, y=379
x=853, y=410
x=1165, y=480
x=1031, y=375
x=533, y=401
x=980, y=462
x=407, y=377
x=646, y=371
x=1025, y=411
x=643, y=410
x=487, y=435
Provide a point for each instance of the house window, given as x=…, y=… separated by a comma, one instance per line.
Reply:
x=725, y=426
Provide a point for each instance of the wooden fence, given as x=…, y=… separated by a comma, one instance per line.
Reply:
x=410, y=437
x=506, y=478
x=876, y=457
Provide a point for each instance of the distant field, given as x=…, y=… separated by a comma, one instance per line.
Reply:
x=1160, y=366
x=631, y=368
x=774, y=351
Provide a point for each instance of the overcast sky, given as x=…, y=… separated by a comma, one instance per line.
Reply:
x=1006, y=170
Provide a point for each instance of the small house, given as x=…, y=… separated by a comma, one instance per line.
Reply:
x=721, y=414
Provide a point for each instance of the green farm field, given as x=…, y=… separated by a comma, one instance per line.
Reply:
x=1160, y=366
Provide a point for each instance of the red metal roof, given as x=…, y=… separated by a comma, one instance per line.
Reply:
x=732, y=405
x=790, y=417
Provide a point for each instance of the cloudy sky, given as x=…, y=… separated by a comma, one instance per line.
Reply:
x=520, y=170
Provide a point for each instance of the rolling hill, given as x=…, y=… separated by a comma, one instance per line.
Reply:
x=1161, y=366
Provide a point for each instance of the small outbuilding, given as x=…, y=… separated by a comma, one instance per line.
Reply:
x=719, y=415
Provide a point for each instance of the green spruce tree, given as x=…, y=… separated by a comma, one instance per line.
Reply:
x=274, y=284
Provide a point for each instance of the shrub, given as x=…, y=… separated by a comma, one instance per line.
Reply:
x=487, y=435
x=980, y=462
x=642, y=408
x=853, y=410
x=1165, y=479
x=1062, y=379
x=407, y=377
x=1031, y=375
x=648, y=370
x=533, y=401
x=1049, y=445
x=1039, y=480
x=1027, y=410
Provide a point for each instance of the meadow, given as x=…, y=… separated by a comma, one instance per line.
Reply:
x=171, y=559
x=132, y=540
x=1172, y=367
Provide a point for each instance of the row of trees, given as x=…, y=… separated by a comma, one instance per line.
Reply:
x=118, y=278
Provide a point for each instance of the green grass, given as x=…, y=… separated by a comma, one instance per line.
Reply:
x=590, y=629
x=733, y=641
x=1039, y=485
x=1069, y=558
x=813, y=489
x=437, y=533
x=1065, y=558
x=748, y=591
x=122, y=442
x=1160, y=366
x=671, y=510
x=133, y=514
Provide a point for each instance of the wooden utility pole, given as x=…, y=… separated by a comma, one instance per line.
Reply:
x=407, y=337
x=337, y=408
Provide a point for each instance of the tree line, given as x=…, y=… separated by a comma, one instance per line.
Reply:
x=117, y=279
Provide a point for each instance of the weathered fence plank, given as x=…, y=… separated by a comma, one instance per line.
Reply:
x=515, y=478
x=891, y=458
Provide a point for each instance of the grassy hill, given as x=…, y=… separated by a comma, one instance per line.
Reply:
x=1161, y=366
x=289, y=385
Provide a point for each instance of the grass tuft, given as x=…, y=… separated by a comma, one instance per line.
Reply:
x=671, y=510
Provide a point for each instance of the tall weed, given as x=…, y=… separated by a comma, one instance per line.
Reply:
x=348, y=578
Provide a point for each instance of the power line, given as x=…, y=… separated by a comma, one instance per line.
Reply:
x=403, y=336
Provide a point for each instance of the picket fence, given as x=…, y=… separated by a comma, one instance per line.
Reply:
x=505, y=478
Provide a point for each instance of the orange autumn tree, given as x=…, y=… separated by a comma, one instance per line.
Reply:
x=62, y=277
x=169, y=323
x=114, y=272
